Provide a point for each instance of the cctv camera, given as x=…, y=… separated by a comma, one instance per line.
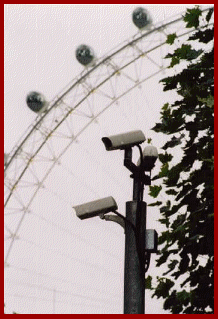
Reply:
x=96, y=208
x=150, y=155
x=124, y=140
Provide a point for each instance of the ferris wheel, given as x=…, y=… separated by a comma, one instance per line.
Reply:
x=45, y=175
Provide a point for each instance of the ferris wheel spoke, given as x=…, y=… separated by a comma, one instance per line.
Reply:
x=98, y=162
x=86, y=287
x=91, y=266
x=90, y=107
x=8, y=230
x=72, y=234
x=56, y=280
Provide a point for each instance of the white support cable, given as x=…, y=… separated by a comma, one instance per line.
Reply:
x=67, y=293
x=82, y=305
x=67, y=256
x=103, y=168
x=75, y=235
x=57, y=279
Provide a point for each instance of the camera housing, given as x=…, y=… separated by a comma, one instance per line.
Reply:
x=150, y=155
x=96, y=208
x=123, y=140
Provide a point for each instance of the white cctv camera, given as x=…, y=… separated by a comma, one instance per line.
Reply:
x=150, y=155
x=124, y=140
x=96, y=208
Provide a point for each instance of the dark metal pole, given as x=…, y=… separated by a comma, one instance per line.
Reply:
x=134, y=269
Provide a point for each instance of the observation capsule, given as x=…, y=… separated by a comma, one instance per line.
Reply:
x=36, y=102
x=141, y=18
x=85, y=55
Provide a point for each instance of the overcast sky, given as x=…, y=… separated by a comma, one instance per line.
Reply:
x=60, y=264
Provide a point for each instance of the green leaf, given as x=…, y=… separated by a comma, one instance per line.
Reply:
x=164, y=170
x=192, y=17
x=183, y=265
x=209, y=101
x=165, y=106
x=175, y=60
x=163, y=258
x=170, y=83
x=171, y=266
x=164, y=221
x=209, y=15
x=164, y=158
x=171, y=301
x=163, y=288
x=174, y=142
x=148, y=282
x=154, y=190
x=184, y=297
x=173, y=175
x=185, y=52
x=164, y=237
x=171, y=38
x=155, y=204
x=193, y=54
x=171, y=192
x=165, y=210
x=203, y=36
x=158, y=127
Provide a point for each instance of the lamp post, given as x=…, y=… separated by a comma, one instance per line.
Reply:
x=134, y=265
x=139, y=242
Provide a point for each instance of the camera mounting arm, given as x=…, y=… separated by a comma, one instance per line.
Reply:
x=118, y=218
x=114, y=218
x=137, y=171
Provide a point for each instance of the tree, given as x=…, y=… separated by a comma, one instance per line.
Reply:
x=187, y=244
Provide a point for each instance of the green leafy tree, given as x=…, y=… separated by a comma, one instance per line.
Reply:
x=187, y=244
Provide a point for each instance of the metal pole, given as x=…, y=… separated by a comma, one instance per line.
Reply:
x=134, y=269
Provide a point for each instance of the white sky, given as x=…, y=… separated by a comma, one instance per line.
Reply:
x=40, y=43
